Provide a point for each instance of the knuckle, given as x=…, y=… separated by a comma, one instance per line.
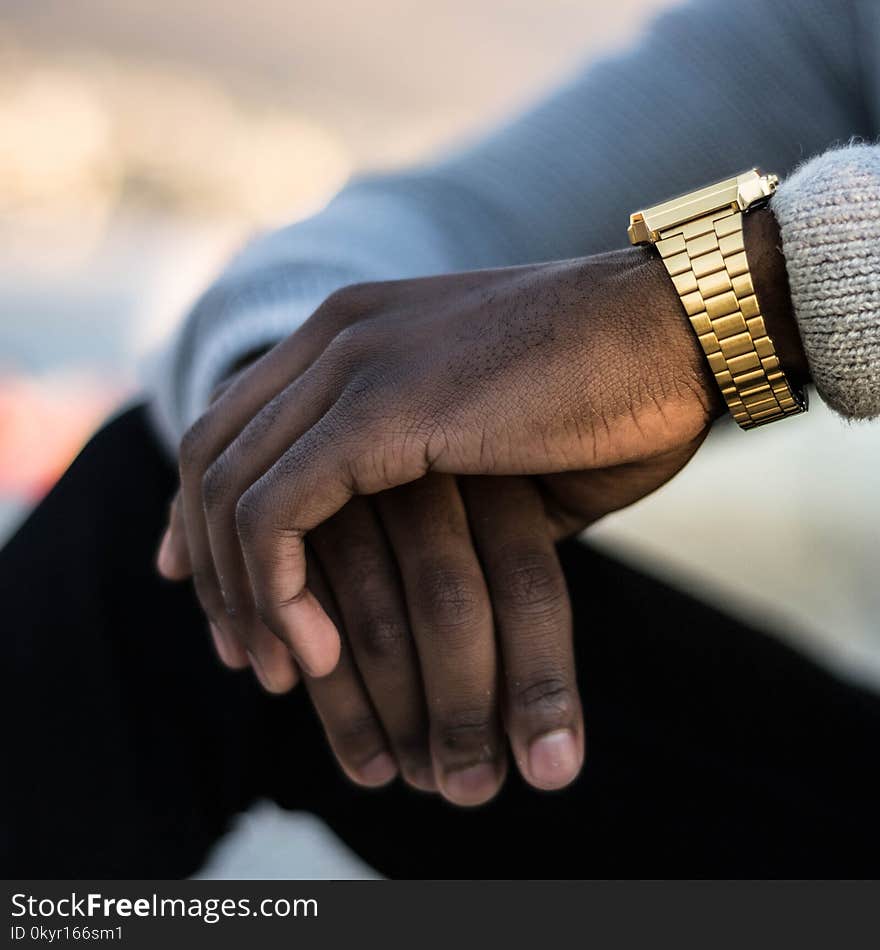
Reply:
x=466, y=730
x=249, y=513
x=194, y=445
x=370, y=469
x=550, y=698
x=253, y=434
x=270, y=610
x=337, y=299
x=350, y=341
x=450, y=597
x=365, y=291
x=215, y=486
x=354, y=299
x=382, y=638
x=529, y=581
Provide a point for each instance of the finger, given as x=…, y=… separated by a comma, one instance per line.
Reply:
x=271, y=662
x=172, y=559
x=198, y=450
x=350, y=722
x=229, y=650
x=273, y=666
x=251, y=642
x=451, y=618
x=359, y=569
x=254, y=450
x=257, y=447
x=533, y=616
x=235, y=406
x=354, y=448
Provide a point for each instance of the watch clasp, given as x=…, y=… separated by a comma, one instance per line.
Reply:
x=638, y=231
x=754, y=187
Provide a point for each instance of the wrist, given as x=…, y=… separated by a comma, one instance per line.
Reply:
x=767, y=265
x=681, y=350
x=683, y=362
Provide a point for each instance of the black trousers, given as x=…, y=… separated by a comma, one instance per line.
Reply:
x=713, y=750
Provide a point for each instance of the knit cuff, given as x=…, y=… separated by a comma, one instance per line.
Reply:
x=829, y=219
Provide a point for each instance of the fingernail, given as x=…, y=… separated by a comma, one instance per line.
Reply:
x=164, y=560
x=259, y=672
x=553, y=759
x=379, y=770
x=221, y=644
x=471, y=786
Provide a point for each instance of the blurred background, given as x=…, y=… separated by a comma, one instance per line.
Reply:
x=141, y=142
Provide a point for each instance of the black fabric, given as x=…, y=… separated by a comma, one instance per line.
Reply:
x=713, y=750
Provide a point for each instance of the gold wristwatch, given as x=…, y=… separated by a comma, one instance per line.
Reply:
x=700, y=238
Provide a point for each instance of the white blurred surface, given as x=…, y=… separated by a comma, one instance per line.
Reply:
x=270, y=844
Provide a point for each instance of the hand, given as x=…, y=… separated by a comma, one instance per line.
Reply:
x=584, y=365
x=416, y=579
x=375, y=691
x=407, y=577
x=513, y=521
x=437, y=587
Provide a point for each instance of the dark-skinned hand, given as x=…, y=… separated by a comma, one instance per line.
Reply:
x=434, y=438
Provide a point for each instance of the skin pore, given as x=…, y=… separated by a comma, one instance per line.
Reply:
x=432, y=471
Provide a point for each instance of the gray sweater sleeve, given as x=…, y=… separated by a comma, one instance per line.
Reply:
x=829, y=219
x=712, y=87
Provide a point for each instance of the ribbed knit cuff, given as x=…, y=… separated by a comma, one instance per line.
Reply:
x=829, y=219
